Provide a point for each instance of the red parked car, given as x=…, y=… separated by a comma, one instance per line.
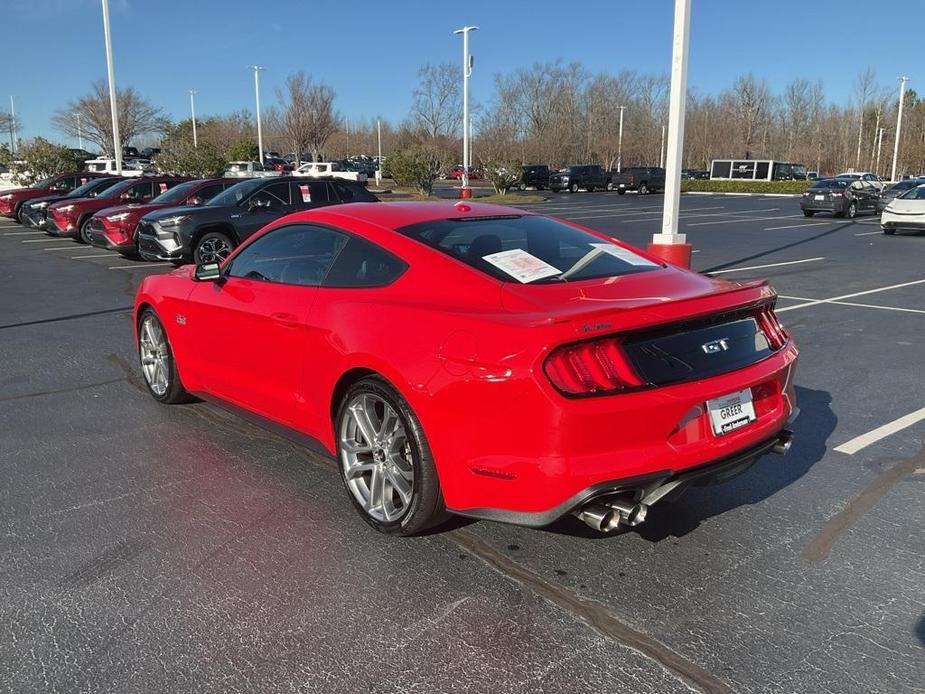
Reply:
x=115, y=228
x=72, y=217
x=478, y=360
x=11, y=201
x=457, y=171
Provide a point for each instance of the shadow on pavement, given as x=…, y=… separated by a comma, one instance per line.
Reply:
x=770, y=251
x=920, y=629
x=768, y=476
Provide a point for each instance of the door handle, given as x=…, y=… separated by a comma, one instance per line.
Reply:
x=287, y=320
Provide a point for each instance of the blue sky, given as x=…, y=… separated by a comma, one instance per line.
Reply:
x=370, y=51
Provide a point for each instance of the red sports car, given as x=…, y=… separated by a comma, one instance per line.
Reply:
x=478, y=360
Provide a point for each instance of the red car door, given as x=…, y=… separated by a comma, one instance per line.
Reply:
x=251, y=323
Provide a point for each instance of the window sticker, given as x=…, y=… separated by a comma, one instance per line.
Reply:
x=520, y=265
x=163, y=187
x=306, y=192
x=624, y=254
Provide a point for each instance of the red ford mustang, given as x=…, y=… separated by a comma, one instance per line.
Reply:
x=478, y=360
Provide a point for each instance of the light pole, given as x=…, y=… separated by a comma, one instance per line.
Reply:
x=467, y=71
x=347, y=131
x=879, y=145
x=113, y=104
x=670, y=244
x=899, y=124
x=257, y=69
x=12, y=126
x=192, y=109
x=80, y=137
x=620, y=143
x=661, y=151
x=379, y=161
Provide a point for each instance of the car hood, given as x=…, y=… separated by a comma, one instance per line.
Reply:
x=25, y=193
x=139, y=209
x=900, y=206
x=47, y=198
x=660, y=295
x=160, y=212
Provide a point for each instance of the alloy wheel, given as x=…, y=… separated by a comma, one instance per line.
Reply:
x=213, y=250
x=155, y=355
x=376, y=457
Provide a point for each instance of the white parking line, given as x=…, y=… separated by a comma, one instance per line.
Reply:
x=741, y=219
x=797, y=226
x=49, y=240
x=864, y=440
x=762, y=267
x=816, y=302
x=72, y=247
x=23, y=233
x=95, y=255
x=654, y=211
x=869, y=233
x=854, y=304
x=136, y=266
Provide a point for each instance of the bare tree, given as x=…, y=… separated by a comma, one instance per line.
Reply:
x=437, y=100
x=137, y=116
x=751, y=102
x=864, y=87
x=294, y=120
x=321, y=116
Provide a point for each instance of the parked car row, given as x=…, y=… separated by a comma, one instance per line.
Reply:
x=168, y=217
x=591, y=177
x=901, y=205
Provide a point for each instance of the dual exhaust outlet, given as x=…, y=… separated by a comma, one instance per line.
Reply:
x=609, y=513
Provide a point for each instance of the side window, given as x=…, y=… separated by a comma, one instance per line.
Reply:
x=355, y=193
x=206, y=193
x=309, y=192
x=138, y=191
x=66, y=183
x=300, y=254
x=274, y=195
x=363, y=264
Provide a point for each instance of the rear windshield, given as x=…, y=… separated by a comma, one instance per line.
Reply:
x=829, y=183
x=528, y=249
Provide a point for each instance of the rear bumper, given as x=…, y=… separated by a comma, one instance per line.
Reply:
x=823, y=206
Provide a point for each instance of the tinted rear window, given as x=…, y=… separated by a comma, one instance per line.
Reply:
x=829, y=183
x=528, y=249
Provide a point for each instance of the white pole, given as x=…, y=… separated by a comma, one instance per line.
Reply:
x=661, y=155
x=899, y=124
x=12, y=126
x=80, y=139
x=347, y=130
x=467, y=70
x=257, y=69
x=192, y=108
x=113, y=104
x=620, y=143
x=379, y=161
x=879, y=145
x=677, y=103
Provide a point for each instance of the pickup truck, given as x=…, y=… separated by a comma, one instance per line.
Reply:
x=589, y=176
x=248, y=169
x=330, y=169
x=107, y=167
x=642, y=179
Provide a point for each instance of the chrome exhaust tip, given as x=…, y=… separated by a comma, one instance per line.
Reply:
x=599, y=517
x=784, y=442
x=630, y=513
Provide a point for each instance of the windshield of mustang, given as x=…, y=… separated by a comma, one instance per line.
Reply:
x=529, y=249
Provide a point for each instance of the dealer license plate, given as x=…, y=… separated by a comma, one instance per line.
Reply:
x=731, y=411
x=819, y=197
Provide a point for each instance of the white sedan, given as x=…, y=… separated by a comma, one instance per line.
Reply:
x=907, y=212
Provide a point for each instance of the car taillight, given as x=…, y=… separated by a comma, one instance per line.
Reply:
x=837, y=195
x=592, y=367
x=771, y=327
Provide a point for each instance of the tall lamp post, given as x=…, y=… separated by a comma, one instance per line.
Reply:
x=80, y=137
x=192, y=109
x=467, y=71
x=879, y=145
x=620, y=143
x=669, y=243
x=113, y=104
x=257, y=69
x=379, y=161
x=899, y=124
x=12, y=126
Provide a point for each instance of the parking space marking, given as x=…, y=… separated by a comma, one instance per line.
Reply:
x=853, y=303
x=136, y=266
x=739, y=220
x=762, y=267
x=22, y=233
x=816, y=302
x=61, y=248
x=95, y=255
x=864, y=440
x=869, y=233
x=797, y=226
x=654, y=211
x=49, y=240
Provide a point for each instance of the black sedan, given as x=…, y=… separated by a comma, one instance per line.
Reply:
x=843, y=197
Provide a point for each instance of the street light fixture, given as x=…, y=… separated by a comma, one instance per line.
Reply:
x=192, y=108
x=467, y=71
x=899, y=124
x=257, y=69
x=113, y=105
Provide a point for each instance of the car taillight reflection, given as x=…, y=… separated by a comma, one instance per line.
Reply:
x=771, y=327
x=598, y=366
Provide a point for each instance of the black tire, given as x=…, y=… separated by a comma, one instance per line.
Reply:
x=621, y=191
x=888, y=232
x=83, y=231
x=808, y=213
x=573, y=188
x=590, y=189
x=610, y=185
x=17, y=214
x=175, y=393
x=426, y=508
x=202, y=251
x=522, y=186
x=643, y=189
x=852, y=210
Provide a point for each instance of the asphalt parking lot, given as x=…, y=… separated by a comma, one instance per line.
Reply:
x=152, y=548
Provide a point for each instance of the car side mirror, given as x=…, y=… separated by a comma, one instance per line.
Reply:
x=207, y=272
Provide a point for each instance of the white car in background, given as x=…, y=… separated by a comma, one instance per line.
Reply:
x=108, y=166
x=905, y=213
x=330, y=169
x=248, y=169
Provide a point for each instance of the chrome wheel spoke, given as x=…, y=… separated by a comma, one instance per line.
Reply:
x=401, y=485
x=364, y=420
x=376, y=490
x=359, y=470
